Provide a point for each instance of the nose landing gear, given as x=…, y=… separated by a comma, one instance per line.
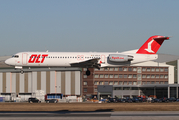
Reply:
x=22, y=71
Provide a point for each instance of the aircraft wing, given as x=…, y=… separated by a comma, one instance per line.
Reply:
x=86, y=63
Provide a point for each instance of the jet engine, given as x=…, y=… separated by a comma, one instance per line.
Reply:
x=120, y=58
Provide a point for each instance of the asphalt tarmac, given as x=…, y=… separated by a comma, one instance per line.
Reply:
x=122, y=115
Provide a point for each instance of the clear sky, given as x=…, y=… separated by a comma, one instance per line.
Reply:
x=86, y=25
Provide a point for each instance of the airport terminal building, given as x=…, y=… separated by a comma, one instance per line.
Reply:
x=158, y=78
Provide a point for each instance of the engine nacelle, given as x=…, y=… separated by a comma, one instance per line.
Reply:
x=120, y=58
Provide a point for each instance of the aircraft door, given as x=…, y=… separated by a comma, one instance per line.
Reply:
x=24, y=58
x=102, y=59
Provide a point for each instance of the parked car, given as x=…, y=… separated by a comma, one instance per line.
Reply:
x=121, y=100
x=111, y=100
x=34, y=100
x=172, y=99
x=52, y=101
x=164, y=99
x=129, y=100
x=135, y=100
x=142, y=99
x=156, y=100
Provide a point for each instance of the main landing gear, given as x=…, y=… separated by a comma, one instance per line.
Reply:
x=88, y=72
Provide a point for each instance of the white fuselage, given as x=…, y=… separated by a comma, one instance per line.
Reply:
x=65, y=59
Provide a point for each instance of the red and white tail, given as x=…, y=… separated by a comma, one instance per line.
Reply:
x=152, y=45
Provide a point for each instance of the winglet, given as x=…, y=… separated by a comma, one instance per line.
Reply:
x=152, y=45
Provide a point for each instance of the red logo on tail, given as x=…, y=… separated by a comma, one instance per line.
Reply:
x=152, y=45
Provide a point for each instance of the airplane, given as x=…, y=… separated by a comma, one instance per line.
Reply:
x=146, y=52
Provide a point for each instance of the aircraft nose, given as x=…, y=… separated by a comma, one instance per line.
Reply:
x=8, y=61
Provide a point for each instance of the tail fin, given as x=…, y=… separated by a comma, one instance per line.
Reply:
x=152, y=45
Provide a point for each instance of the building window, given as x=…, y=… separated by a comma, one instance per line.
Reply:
x=157, y=82
x=115, y=69
x=152, y=82
x=134, y=69
x=165, y=82
x=125, y=83
x=101, y=76
x=143, y=69
x=85, y=83
x=134, y=88
x=110, y=83
x=84, y=69
x=129, y=76
x=166, y=76
x=117, y=88
x=157, y=76
x=148, y=69
x=95, y=90
x=96, y=69
x=105, y=83
x=148, y=82
x=110, y=69
x=130, y=83
x=101, y=69
x=143, y=76
x=106, y=69
x=111, y=76
x=125, y=76
x=134, y=76
x=161, y=70
x=100, y=83
x=96, y=83
x=157, y=69
x=166, y=69
x=85, y=90
x=161, y=76
x=126, y=88
x=152, y=76
x=125, y=69
x=139, y=70
x=134, y=83
x=84, y=76
x=106, y=76
x=120, y=83
x=148, y=76
x=152, y=69
x=120, y=76
x=96, y=76
x=120, y=69
x=129, y=69
x=138, y=77
x=115, y=83
x=115, y=76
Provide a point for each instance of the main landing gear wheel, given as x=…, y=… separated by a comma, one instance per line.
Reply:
x=88, y=72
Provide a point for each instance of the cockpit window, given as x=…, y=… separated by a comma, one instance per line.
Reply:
x=15, y=56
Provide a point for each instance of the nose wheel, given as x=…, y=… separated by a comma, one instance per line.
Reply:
x=22, y=71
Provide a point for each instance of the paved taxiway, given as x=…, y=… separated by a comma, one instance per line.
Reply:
x=128, y=115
